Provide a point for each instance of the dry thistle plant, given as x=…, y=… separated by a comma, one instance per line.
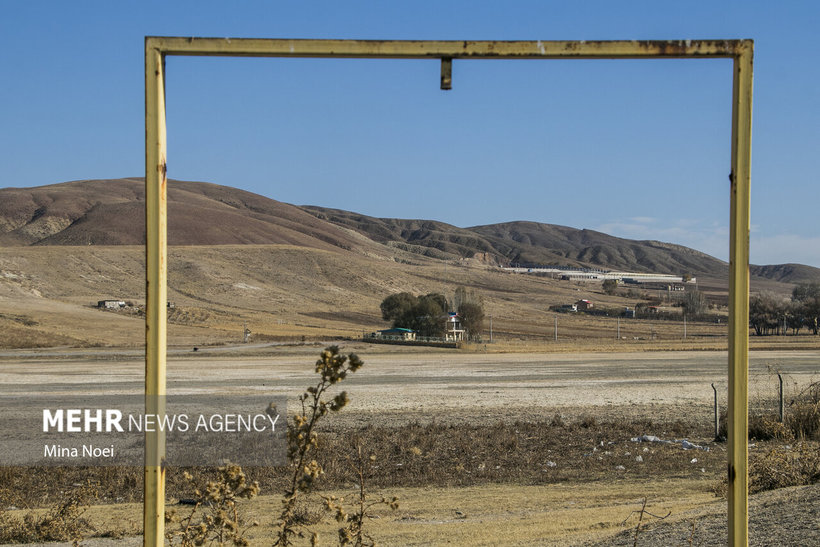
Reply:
x=303, y=441
x=352, y=531
x=219, y=522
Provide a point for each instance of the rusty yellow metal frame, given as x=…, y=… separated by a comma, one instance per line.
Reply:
x=157, y=48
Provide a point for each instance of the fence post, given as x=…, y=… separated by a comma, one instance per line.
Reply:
x=717, y=416
x=782, y=406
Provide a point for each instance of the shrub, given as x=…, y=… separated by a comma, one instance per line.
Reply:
x=610, y=286
x=761, y=428
x=767, y=428
x=62, y=522
x=784, y=466
x=804, y=415
x=588, y=422
x=804, y=421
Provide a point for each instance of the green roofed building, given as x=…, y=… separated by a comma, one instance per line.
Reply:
x=403, y=334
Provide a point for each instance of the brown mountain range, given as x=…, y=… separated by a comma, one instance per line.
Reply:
x=530, y=243
x=110, y=212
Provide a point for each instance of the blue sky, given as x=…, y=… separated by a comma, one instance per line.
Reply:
x=637, y=149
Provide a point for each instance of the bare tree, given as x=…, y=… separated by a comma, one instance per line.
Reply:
x=695, y=303
x=470, y=308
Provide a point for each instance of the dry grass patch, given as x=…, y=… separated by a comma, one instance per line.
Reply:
x=550, y=515
x=22, y=332
x=64, y=521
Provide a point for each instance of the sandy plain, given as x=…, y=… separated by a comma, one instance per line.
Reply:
x=424, y=384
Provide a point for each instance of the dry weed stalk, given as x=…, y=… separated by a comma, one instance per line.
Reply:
x=641, y=513
x=352, y=531
x=220, y=521
x=332, y=368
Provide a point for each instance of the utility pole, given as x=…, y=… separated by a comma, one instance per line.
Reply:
x=556, y=328
x=684, y=326
x=618, y=335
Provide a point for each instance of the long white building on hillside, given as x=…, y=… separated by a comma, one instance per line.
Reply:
x=601, y=275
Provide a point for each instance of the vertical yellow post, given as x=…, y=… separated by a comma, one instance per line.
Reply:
x=739, y=296
x=156, y=291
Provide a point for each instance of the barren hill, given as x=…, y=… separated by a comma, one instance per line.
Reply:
x=529, y=243
x=788, y=273
x=533, y=243
x=111, y=212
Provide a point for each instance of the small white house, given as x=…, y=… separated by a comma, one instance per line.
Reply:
x=111, y=304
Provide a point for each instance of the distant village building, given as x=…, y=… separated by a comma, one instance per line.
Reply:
x=111, y=304
x=660, y=286
x=584, y=305
x=396, y=333
x=569, y=273
x=453, y=331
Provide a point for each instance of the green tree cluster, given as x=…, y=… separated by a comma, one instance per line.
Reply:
x=426, y=314
x=422, y=314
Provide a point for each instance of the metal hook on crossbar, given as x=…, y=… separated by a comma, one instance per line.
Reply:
x=446, y=73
